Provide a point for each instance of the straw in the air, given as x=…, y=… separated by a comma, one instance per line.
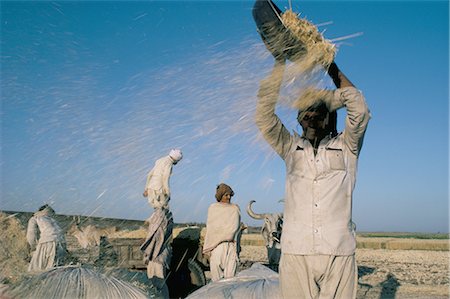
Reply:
x=310, y=97
x=317, y=49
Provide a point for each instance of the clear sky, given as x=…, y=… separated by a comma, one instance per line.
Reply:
x=93, y=93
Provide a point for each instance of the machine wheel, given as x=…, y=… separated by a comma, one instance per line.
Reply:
x=197, y=274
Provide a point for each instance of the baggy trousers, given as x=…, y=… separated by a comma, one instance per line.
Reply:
x=223, y=261
x=318, y=276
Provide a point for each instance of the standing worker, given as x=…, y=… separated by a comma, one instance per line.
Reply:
x=318, y=242
x=50, y=247
x=223, y=230
x=157, y=250
x=157, y=188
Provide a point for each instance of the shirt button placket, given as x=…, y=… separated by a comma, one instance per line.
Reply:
x=316, y=216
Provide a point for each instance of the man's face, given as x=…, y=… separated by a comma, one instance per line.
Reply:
x=313, y=120
x=226, y=197
x=314, y=124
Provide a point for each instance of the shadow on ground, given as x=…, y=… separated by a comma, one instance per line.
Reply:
x=384, y=290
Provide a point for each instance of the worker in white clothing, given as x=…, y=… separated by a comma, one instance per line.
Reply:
x=157, y=188
x=223, y=230
x=318, y=242
x=46, y=239
x=157, y=249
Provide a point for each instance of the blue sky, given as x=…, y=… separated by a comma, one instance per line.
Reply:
x=94, y=92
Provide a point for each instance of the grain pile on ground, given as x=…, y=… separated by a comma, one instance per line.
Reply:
x=317, y=50
x=137, y=279
x=14, y=250
x=76, y=283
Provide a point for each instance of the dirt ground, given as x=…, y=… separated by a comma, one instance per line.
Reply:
x=390, y=273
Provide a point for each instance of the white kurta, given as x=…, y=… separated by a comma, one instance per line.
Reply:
x=51, y=244
x=222, y=232
x=157, y=185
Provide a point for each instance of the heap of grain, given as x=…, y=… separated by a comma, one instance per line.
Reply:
x=14, y=250
x=77, y=282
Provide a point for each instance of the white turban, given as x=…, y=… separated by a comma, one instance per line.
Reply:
x=176, y=154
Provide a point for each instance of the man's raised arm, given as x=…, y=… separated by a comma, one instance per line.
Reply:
x=358, y=114
x=267, y=121
x=339, y=79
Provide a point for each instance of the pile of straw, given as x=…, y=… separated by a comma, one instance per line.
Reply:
x=317, y=50
x=76, y=282
x=14, y=251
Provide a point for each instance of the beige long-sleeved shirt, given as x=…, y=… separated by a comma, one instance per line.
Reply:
x=46, y=228
x=158, y=177
x=318, y=199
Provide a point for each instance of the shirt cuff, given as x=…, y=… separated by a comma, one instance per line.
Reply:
x=341, y=95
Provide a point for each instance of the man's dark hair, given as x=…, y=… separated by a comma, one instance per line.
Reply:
x=43, y=207
x=332, y=123
x=321, y=107
x=48, y=208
